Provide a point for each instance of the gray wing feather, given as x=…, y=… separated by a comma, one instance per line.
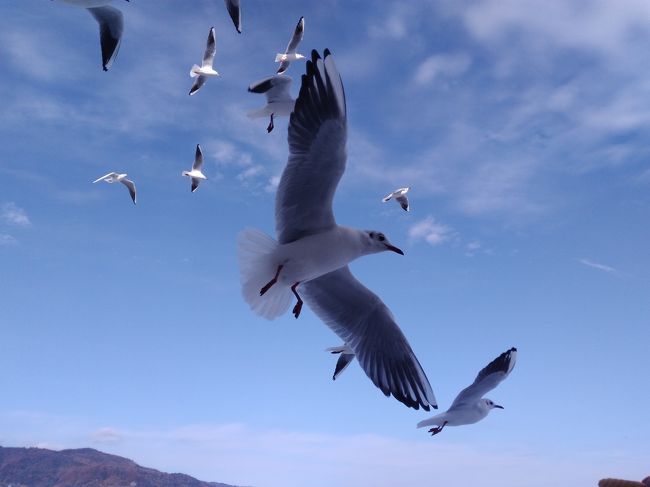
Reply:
x=210, y=48
x=111, y=25
x=317, y=138
x=131, y=185
x=234, y=10
x=198, y=82
x=487, y=379
x=276, y=88
x=297, y=36
x=367, y=326
x=198, y=158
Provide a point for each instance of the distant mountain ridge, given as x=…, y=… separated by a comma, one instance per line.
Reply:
x=84, y=467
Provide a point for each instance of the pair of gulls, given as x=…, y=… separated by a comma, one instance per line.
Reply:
x=195, y=175
x=309, y=261
x=111, y=24
x=469, y=406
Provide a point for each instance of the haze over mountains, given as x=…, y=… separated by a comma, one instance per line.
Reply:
x=84, y=467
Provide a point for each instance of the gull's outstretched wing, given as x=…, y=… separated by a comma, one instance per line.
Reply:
x=317, y=138
x=298, y=33
x=105, y=176
x=198, y=82
x=404, y=202
x=487, y=379
x=210, y=48
x=195, y=184
x=131, y=185
x=234, y=10
x=276, y=88
x=198, y=159
x=367, y=326
x=111, y=25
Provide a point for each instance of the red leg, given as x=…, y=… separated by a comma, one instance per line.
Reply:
x=270, y=127
x=271, y=282
x=298, y=306
x=435, y=431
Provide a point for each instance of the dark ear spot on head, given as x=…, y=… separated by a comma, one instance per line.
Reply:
x=371, y=234
x=381, y=237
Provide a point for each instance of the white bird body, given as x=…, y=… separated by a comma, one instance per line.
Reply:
x=400, y=197
x=114, y=177
x=203, y=72
x=312, y=251
x=290, y=53
x=278, y=99
x=288, y=57
x=196, y=173
x=470, y=407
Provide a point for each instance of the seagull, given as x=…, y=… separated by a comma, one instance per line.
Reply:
x=114, y=177
x=202, y=72
x=312, y=251
x=278, y=99
x=234, y=10
x=196, y=173
x=470, y=406
x=290, y=53
x=111, y=25
x=400, y=197
x=346, y=356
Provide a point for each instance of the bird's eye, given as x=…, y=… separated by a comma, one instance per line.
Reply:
x=372, y=234
x=381, y=238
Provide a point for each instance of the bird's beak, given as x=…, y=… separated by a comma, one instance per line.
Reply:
x=394, y=249
x=497, y=406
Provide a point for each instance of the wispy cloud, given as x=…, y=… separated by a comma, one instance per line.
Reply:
x=600, y=267
x=13, y=215
x=430, y=231
x=440, y=65
x=7, y=240
x=106, y=435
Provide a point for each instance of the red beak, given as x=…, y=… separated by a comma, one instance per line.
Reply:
x=394, y=249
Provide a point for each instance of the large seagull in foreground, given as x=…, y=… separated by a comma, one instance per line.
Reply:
x=310, y=258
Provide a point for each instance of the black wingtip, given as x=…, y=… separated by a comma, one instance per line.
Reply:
x=104, y=68
x=326, y=52
x=314, y=56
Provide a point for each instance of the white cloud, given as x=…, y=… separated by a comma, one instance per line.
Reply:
x=272, y=185
x=251, y=173
x=441, y=65
x=7, y=240
x=12, y=214
x=600, y=267
x=430, y=231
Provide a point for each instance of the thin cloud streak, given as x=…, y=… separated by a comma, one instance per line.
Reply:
x=600, y=267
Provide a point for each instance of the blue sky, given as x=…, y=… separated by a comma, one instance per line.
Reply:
x=523, y=132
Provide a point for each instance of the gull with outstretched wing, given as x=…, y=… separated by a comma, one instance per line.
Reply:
x=313, y=251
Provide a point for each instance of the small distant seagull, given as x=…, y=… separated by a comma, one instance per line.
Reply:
x=470, y=406
x=202, y=72
x=111, y=25
x=235, y=13
x=400, y=196
x=290, y=53
x=114, y=177
x=347, y=355
x=195, y=174
x=278, y=100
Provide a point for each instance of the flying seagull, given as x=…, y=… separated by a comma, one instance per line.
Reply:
x=114, y=177
x=202, y=72
x=234, y=10
x=313, y=251
x=346, y=356
x=400, y=197
x=195, y=174
x=470, y=406
x=111, y=25
x=290, y=53
x=278, y=99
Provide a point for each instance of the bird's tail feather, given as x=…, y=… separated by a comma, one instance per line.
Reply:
x=437, y=420
x=257, y=267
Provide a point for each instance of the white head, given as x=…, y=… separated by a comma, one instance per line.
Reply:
x=489, y=404
x=377, y=242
